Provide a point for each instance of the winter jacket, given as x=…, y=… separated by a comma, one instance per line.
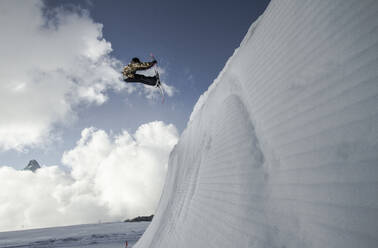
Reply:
x=130, y=69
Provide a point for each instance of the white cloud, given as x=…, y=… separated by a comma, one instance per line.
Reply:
x=49, y=62
x=112, y=177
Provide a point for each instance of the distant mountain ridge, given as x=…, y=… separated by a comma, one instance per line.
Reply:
x=32, y=166
x=140, y=218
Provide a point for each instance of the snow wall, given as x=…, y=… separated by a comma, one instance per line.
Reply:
x=282, y=150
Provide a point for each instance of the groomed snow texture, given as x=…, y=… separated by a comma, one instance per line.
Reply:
x=282, y=150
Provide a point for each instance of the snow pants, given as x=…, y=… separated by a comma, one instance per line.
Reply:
x=142, y=79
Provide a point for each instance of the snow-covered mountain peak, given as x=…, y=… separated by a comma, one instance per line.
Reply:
x=32, y=166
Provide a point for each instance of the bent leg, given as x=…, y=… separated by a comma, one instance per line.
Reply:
x=142, y=79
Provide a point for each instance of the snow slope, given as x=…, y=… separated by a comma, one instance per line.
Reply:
x=83, y=236
x=282, y=150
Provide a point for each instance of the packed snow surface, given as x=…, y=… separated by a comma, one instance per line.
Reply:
x=282, y=150
x=109, y=235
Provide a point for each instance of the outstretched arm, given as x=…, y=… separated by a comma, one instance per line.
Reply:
x=146, y=65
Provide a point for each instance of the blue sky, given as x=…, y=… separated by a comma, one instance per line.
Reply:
x=192, y=41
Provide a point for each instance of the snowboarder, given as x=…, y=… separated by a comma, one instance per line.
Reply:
x=130, y=76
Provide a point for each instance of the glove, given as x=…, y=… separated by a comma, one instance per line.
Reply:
x=154, y=61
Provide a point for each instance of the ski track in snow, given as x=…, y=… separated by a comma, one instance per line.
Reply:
x=282, y=150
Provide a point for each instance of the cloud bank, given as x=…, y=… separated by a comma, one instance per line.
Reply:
x=111, y=177
x=50, y=62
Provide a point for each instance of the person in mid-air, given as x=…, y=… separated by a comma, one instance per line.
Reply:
x=130, y=75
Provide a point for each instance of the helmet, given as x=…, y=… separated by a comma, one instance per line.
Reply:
x=135, y=60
